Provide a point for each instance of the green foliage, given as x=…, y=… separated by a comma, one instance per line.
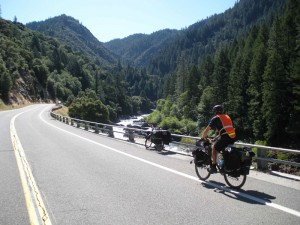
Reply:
x=140, y=48
x=47, y=68
x=255, y=77
x=155, y=118
x=189, y=127
x=88, y=107
x=282, y=156
x=276, y=86
x=246, y=59
x=70, y=32
x=170, y=123
x=5, y=83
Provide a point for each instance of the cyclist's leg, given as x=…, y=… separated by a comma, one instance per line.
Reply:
x=219, y=145
x=214, y=155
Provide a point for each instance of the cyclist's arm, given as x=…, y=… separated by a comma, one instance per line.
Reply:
x=204, y=133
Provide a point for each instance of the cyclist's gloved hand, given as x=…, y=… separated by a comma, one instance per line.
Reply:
x=198, y=142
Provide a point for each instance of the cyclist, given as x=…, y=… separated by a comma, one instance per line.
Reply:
x=226, y=133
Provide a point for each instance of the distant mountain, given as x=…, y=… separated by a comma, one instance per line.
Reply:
x=72, y=33
x=139, y=49
x=206, y=36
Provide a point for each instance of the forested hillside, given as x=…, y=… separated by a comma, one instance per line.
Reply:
x=35, y=67
x=206, y=36
x=254, y=74
x=71, y=32
x=139, y=49
x=246, y=59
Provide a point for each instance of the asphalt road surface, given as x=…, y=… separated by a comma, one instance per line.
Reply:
x=52, y=173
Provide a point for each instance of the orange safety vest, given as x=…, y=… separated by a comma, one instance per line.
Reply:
x=227, y=125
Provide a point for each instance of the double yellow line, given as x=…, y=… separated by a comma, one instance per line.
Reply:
x=36, y=209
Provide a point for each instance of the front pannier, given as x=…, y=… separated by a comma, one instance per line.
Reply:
x=200, y=157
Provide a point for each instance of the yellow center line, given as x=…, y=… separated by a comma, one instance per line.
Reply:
x=36, y=209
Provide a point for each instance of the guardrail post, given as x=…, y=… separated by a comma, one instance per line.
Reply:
x=111, y=132
x=72, y=122
x=261, y=164
x=86, y=127
x=78, y=124
x=96, y=129
x=131, y=135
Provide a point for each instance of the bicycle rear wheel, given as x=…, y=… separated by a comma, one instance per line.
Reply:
x=202, y=171
x=148, y=143
x=235, y=182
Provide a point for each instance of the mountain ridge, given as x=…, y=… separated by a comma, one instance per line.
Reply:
x=140, y=48
x=72, y=33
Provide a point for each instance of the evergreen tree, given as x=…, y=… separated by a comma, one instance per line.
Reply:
x=5, y=82
x=220, y=76
x=238, y=84
x=193, y=78
x=206, y=71
x=181, y=74
x=255, y=80
x=291, y=26
x=275, y=90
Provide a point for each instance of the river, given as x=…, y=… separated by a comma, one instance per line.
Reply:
x=119, y=132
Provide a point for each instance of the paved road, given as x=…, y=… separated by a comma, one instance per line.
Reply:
x=84, y=178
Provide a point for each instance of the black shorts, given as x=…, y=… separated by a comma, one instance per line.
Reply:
x=222, y=142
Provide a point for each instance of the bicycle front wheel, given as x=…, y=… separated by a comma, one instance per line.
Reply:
x=202, y=171
x=235, y=182
x=148, y=143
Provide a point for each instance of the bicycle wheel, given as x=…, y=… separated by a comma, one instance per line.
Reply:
x=202, y=171
x=159, y=147
x=148, y=143
x=235, y=182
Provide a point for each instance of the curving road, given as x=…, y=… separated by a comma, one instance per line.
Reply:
x=78, y=177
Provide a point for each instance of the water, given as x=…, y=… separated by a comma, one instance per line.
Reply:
x=119, y=132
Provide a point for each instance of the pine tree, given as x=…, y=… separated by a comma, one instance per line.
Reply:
x=5, y=82
x=220, y=76
x=206, y=71
x=255, y=80
x=181, y=74
x=192, y=82
x=291, y=25
x=275, y=86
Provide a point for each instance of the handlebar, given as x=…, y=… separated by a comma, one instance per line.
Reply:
x=206, y=140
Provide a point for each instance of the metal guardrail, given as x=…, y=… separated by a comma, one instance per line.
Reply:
x=133, y=133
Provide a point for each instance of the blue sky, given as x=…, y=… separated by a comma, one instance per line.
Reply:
x=110, y=19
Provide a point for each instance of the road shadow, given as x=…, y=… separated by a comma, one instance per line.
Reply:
x=251, y=197
x=247, y=196
x=213, y=184
x=166, y=153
